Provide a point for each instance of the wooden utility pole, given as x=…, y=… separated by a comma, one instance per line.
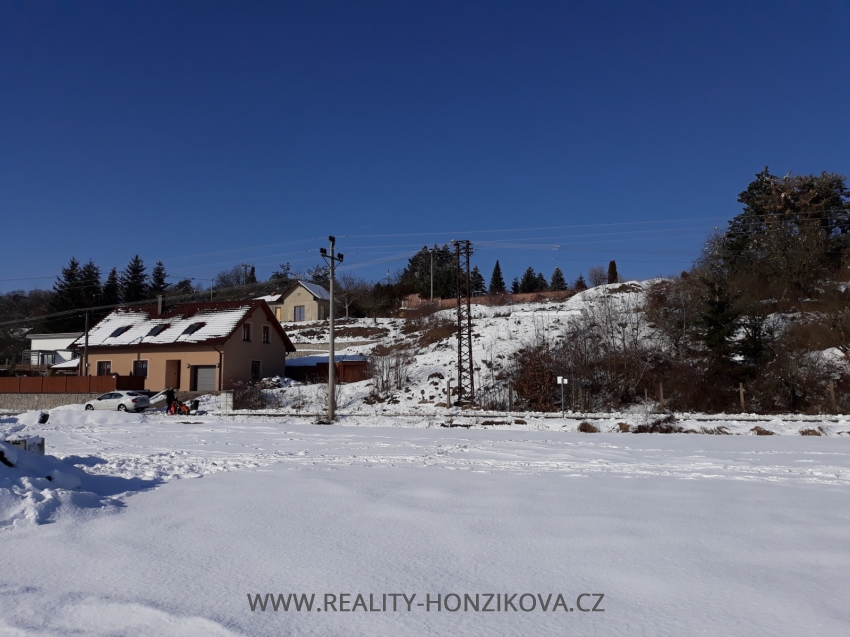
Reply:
x=661, y=395
x=331, y=258
x=832, y=395
x=741, y=395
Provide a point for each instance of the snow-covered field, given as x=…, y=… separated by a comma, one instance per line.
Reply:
x=161, y=526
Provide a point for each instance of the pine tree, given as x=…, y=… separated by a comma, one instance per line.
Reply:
x=528, y=283
x=580, y=285
x=134, y=281
x=89, y=289
x=65, y=298
x=476, y=281
x=613, y=277
x=515, y=286
x=540, y=283
x=417, y=274
x=250, y=275
x=158, y=280
x=558, y=282
x=497, y=282
x=111, y=291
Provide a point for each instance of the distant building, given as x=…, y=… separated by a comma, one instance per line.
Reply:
x=50, y=349
x=303, y=301
x=189, y=346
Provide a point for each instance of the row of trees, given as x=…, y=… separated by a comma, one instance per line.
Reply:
x=81, y=286
x=417, y=276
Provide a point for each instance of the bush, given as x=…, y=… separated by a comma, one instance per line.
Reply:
x=587, y=428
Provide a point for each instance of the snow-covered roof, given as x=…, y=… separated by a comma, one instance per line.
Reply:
x=311, y=361
x=316, y=290
x=74, y=363
x=181, y=323
x=269, y=298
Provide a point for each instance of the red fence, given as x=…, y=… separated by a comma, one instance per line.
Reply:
x=69, y=384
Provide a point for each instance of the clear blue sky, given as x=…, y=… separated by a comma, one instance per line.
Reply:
x=205, y=134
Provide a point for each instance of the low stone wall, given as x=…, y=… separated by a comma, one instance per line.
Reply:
x=28, y=402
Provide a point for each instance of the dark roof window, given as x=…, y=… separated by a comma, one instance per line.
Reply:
x=194, y=327
x=158, y=329
x=119, y=331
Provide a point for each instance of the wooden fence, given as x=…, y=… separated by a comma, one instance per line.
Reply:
x=69, y=384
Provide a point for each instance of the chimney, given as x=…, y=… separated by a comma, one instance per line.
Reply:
x=159, y=304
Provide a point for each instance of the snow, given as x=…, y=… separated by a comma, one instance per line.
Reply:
x=74, y=363
x=218, y=323
x=164, y=525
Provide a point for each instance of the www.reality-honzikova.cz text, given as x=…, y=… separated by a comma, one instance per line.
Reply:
x=402, y=602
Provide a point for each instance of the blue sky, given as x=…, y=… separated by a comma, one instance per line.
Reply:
x=206, y=134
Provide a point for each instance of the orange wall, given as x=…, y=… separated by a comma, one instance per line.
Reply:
x=122, y=362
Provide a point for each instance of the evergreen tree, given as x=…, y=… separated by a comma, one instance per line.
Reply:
x=613, y=277
x=250, y=275
x=558, y=282
x=134, y=281
x=515, y=286
x=476, y=281
x=111, y=291
x=497, y=282
x=580, y=285
x=158, y=280
x=89, y=288
x=65, y=298
x=528, y=283
x=417, y=274
x=540, y=283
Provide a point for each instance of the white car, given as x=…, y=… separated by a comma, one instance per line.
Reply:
x=120, y=400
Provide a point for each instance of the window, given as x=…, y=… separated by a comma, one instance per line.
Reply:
x=299, y=313
x=246, y=332
x=104, y=368
x=119, y=331
x=321, y=312
x=156, y=330
x=278, y=314
x=140, y=368
x=266, y=334
x=194, y=327
x=255, y=370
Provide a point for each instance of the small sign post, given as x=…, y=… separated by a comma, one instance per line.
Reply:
x=562, y=381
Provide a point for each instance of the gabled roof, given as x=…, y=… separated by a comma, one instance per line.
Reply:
x=313, y=288
x=184, y=323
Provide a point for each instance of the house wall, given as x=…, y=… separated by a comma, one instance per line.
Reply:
x=300, y=296
x=58, y=343
x=122, y=362
x=238, y=354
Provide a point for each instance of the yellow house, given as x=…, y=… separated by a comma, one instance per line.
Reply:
x=302, y=302
x=189, y=346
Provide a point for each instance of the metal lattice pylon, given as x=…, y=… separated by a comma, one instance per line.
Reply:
x=465, y=382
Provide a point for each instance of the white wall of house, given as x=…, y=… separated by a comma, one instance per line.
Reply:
x=56, y=343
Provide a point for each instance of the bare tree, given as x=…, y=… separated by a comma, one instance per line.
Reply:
x=349, y=289
x=597, y=275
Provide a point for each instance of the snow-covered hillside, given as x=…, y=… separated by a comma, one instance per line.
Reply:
x=498, y=332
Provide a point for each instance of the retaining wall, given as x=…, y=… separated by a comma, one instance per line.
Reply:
x=28, y=402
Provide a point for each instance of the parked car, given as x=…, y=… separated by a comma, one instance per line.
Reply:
x=120, y=400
